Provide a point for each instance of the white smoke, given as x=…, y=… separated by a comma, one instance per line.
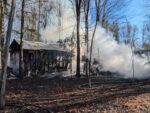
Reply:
x=118, y=57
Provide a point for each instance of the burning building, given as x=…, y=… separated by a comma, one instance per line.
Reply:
x=38, y=57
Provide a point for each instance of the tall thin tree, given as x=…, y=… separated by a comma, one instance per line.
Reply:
x=39, y=19
x=97, y=4
x=2, y=31
x=86, y=7
x=21, y=65
x=6, y=50
x=78, y=14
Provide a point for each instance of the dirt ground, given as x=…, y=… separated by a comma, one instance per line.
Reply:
x=72, y=95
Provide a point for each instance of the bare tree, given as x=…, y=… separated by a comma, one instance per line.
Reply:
x=39, y=20
x=130, y=38
x=114, y=28
x=110, y=11
x=128, y=33
x=146, y=35
x=21, y=65
x=2, y=31
x=133, y=46
x=86, y=8
x=97, y=5
x=77, y=5
x=146, y=39
x=6, y=50
x=44, y=9
x=78, y=14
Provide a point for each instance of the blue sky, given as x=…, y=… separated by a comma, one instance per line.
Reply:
x=136, y=12
x=136, y=15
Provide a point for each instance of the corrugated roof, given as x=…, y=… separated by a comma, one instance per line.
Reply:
x=30, y=45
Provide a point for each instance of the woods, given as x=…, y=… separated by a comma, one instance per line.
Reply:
x=101, y=44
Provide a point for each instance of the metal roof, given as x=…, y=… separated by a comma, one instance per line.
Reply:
x=30, y=45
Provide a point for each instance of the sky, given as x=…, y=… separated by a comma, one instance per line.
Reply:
x=135, y=14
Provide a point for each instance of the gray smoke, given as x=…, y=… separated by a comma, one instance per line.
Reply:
x=118, y=57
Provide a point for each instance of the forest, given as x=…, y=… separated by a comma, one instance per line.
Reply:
x=74, y=56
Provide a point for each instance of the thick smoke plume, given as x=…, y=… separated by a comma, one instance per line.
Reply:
x=118, y=57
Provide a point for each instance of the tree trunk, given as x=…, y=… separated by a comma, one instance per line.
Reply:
x=91, y=48
x=78, y=8
x=132, y=49
x=2, y=32
x=97, y=3
x=78, y=47
x=39, y=21
x=21, y=63
x=6, y=50
x=87, y=7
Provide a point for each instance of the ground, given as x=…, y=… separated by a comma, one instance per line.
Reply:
x=72, y=95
